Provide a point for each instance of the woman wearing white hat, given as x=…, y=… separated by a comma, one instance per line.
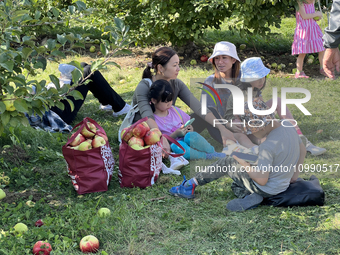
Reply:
x=227, y=71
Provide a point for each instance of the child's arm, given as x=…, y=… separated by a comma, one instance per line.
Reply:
x=255, y=174
x=304, y=15
x=300, y=162
x=180, y=132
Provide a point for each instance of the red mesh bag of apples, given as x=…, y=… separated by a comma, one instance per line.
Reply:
x=140, y=155
x=89, y=157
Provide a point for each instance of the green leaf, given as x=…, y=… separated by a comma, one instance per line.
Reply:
x=41, y=63
x=37, y=14
x=8, y=65
x=72, y=9
x=119, y=24
x=51, y=44
x=2, y=107
x=76, y=75
x=76, y=94
x=5, y=117
x=113, y=63
x=15, y=122
x=26, y=52
x=58, y=53
x=20, y=105
x=81, y=5
x=78, y=45
x=61, y=39
x=103, y=49
x=55, y=81
x=55, y=12
x=123, y=51
x=96, y=65
x=71, y=104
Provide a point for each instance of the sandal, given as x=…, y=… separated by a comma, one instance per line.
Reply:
x=301, y=75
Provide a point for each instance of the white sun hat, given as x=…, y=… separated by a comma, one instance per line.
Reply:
x=253, y=69
x=224, y=48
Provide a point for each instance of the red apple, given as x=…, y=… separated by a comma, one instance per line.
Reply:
x=204, y=58
x=157, y=131
x=84, y=146
x=135, y=140
x=39, y=223
x=153, y=136
x=98, y=141
x=88, y=134
x=146, y=126
x=42, y=248
x=102, y=135
x=127, y=136
x=139, y=131
x=89, y=244
x=77, y=140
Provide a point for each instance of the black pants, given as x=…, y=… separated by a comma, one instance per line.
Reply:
x=99, y=87
x=200, y=124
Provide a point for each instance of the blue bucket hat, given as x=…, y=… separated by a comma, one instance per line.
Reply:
x=253, y=69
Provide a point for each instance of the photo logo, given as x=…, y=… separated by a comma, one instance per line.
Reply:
x=209, y=93
x=238, y=100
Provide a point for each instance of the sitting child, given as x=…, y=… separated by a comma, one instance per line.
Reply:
x=171, y=120
x=278, y=162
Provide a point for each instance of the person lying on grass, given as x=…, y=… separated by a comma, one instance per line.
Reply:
x=170, y=120
x=278, y=162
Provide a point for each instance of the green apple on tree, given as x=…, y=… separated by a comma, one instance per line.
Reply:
x=2, y=194
x=9, y=102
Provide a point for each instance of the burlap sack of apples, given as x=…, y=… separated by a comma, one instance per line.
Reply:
x=141, y=136
x=87, y=140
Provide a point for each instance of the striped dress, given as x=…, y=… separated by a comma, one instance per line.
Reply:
x=308, y=34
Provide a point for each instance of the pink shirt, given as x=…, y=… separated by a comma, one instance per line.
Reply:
x=172, y=122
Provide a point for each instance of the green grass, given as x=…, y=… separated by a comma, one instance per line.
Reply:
x=138, y=225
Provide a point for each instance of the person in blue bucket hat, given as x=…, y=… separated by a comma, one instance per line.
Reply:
x=253, y=74
x=99, y=87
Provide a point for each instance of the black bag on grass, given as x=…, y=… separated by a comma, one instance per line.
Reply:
x=300, y=193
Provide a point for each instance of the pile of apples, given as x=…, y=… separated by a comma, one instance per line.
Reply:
x=87, y=140
x=141, y=136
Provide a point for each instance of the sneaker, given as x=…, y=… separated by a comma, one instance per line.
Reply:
x=177, y=163
x=301, y=75
x=125, y=110
x=105, y=107
x=185, y=190
x=166, y=170
x=248, y=202
x=304, y=140
x=314, y=150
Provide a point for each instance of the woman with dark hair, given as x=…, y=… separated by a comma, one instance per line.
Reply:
x=165, y=63
x=226, y=64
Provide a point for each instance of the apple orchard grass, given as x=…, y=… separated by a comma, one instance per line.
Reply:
x=150, y=221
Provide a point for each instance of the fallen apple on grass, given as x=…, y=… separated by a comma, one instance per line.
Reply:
x=42, y=248
x=89, y=244
x=93, y=49
x=204, y=58
x=20, y=228
x=39, y=223
x=243, y=46
x=103, y=212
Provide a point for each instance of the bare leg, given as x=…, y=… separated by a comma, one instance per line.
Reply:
x=299, y=62
x=321, y=54
x=244, y=140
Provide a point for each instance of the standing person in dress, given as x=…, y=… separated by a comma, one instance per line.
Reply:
x=331, y=41
x=307, y=37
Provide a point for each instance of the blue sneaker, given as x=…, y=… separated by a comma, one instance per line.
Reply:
x=186, y=189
